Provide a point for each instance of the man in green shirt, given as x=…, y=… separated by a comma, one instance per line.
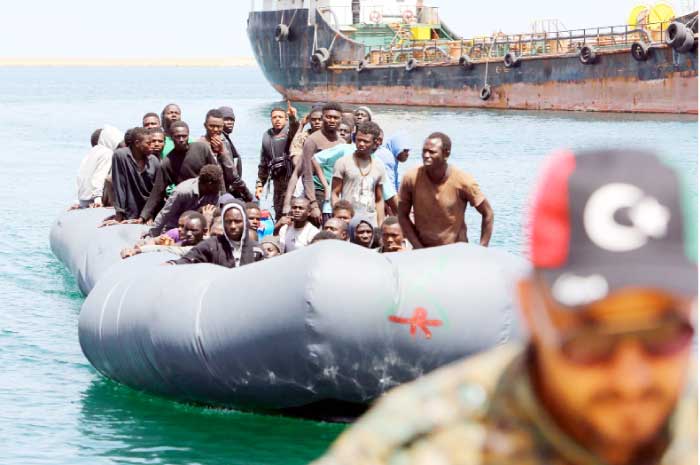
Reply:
x=170, y=114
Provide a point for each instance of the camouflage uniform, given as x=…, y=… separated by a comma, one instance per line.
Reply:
x=483, y=411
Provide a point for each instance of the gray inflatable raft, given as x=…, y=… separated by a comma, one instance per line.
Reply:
x=331, y=322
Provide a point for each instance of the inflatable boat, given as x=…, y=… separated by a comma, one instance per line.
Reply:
x=331, y=323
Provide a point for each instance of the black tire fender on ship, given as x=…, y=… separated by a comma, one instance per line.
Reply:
x=319, y=59
x=640, y=51
x=680, y=37
x=587, y=55
x=485, y=93
x=511, y=61
x=361, y=66
x=282, y=33
x=411, y=64
x=466, y=62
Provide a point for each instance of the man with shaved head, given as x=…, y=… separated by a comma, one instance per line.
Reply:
x=150, y=121
x=296, y=231
x=337, y=227
x=170, y=114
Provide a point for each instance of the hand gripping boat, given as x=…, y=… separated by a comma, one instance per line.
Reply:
x=331, y=323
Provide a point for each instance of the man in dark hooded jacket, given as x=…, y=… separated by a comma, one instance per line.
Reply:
x=233, y=248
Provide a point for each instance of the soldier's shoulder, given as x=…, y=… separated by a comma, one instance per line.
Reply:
x=452, y=400
x=476, y=373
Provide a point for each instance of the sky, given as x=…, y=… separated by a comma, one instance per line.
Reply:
x=137, y=29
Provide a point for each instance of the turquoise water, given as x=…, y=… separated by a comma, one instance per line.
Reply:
x=54, y=408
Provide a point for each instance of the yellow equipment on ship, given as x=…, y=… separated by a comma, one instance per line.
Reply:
x=651, y=16
x=421, y=32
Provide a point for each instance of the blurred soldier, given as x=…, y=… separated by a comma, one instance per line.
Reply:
x=606, y=377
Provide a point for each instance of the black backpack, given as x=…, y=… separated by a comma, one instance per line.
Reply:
x=279, y=166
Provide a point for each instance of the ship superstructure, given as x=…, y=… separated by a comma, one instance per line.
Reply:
x=402, y=53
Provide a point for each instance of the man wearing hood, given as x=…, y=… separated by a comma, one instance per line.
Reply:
x=361, y=231
x=394, y=151
x=233, y=248
x=95, y=167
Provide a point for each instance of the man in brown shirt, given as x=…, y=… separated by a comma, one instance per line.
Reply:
x=326, y=138
x=439, y=195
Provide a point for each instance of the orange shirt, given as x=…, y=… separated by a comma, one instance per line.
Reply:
x=439, y=209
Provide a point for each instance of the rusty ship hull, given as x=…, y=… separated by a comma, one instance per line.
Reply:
x=666, y=82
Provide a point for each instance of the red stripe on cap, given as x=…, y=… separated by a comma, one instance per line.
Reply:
x=550, y=225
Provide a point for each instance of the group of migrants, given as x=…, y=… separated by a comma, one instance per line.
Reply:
x=606, y=374
x=332, y=174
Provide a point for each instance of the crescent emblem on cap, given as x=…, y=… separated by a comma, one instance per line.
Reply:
x=647, y=216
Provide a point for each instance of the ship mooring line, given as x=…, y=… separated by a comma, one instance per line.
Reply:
x=486, y=73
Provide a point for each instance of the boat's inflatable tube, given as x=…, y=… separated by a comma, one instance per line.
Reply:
x=87, y=251
x=330, y=322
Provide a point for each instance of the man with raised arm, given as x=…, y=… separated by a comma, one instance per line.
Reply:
x=275, y=162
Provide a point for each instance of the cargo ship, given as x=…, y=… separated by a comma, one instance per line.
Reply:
x=400, y=53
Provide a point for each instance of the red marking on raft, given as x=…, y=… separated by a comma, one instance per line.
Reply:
x=418, y=320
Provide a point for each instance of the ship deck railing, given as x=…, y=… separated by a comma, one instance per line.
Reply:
x=378, y=13
x=536, y=44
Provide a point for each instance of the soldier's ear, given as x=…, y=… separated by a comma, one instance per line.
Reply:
x=526, y=297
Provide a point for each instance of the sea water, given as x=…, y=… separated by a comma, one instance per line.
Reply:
x=54, y=407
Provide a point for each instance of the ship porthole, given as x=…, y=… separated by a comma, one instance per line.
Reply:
x=485, y=93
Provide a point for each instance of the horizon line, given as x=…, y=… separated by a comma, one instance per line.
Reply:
x=224, y=62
